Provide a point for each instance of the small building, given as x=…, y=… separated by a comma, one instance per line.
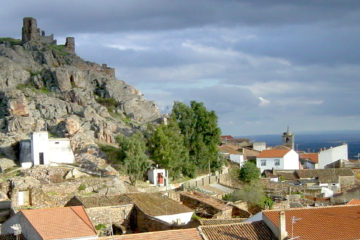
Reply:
x=259, y=146
x=158, y=176
x=51, y=223
x=333, y=154
x=42, y=150
x=231, y=154
x=281, y=159
x=309, y=160
x=155, y=212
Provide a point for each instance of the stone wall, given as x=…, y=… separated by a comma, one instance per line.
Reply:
x=110, y=214
x=145, y=223
x=204, y=209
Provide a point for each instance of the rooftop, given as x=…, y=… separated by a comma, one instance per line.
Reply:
x=205, y=222
x=155, y=204
x=247, y=231
x=60, y=223
x=314, y=157
x=227, y=148
x=273, y=153
x=101, y=201
x=328, y=175
x=182, y=234
x=321, y=222
x=204, y=198
x=353, y=202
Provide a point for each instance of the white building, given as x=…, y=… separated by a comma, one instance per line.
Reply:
x=280, y=159
x=41, y=150
x=259, y=146
x=158, y=177
x=333, y=154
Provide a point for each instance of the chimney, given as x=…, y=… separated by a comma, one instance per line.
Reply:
x=282, y=226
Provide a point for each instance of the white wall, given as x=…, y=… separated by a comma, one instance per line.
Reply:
x=59, y=151
x=333, y=154
x=39, y=144
x=270, y=163
x=291, y=160
x=184, y=218
x=237, y=158
x=259, y=146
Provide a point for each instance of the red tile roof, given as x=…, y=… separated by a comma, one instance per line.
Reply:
x=273, y=153
x=335, y=222
x=60, y=223
x=353, y=202
x=183, y=234
x=314, y=157
x=228, y=149
x=247, y=231
x=227, y=137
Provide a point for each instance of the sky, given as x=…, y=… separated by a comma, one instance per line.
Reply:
x=261, y=65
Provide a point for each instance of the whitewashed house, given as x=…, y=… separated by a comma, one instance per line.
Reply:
x=42, y=150
x=158, y=176
x=280, y=159
x=259, y=146
x=229, y=152
x=333, y=154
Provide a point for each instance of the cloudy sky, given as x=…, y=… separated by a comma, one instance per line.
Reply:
x=261, y=65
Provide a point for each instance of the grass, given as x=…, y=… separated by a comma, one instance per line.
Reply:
x=82, y=187
x=110, y=103
x=59, y=49
x=12, y=41
x=100, y=226
x=31, y=86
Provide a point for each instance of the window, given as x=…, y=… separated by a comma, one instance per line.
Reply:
x=263, y=162
x=277, y=162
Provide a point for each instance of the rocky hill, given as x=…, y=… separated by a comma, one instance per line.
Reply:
x=45, y=86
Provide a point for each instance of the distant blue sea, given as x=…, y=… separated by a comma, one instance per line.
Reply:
x=312, y=142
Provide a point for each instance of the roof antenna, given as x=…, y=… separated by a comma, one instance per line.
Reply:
x=293, y=221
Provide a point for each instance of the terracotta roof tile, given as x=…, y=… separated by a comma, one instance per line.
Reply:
x=353, y=202
x=228, y=149
x=314, y=157
x=273, y=153
x=60, y=223
x=183, y=234
x=335, y=222
x=249, y=231
x=155, y=204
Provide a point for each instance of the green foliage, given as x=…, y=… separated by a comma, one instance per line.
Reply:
x=82, y=187
x=100, y=226
x=59, y=49
x=253, y=194
x=201, y=134
x=282, y=178
x=113, y=154
x=132, y=154
x=166, y=147
x=12, y=41
x=110, y=103
x=249, y=172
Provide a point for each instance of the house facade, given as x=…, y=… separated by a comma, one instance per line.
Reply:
x=158, y=177
x=280, y=159
x=333, y=154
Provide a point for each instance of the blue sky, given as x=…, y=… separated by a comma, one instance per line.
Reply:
x=261, y=65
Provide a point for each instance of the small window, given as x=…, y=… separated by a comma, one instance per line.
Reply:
x=277, y=162
x=263, y=162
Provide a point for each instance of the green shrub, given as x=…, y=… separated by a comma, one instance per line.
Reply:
x=12, y=41
x=100, y=226
x=82, y=187
x=59, y=49
x=249, y=172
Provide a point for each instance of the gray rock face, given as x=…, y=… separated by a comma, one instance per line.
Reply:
x=47, y=87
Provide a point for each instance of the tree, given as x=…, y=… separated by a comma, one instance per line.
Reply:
x=249, y=172
x=133, y=156
x=166, y=147
x=201, y=134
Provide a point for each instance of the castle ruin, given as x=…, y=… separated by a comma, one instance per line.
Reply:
x=30, y=32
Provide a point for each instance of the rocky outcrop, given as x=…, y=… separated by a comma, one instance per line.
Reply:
x=47, y=87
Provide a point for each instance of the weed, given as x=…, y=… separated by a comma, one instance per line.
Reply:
x=12, y=41
x=82, y=187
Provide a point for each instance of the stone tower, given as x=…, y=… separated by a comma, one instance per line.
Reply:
x=70, y=45
x=30, y=31
x=288, y=139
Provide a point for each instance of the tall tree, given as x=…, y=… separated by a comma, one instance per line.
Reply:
x=133, y=156
x=201, y=133
x=166, y=147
